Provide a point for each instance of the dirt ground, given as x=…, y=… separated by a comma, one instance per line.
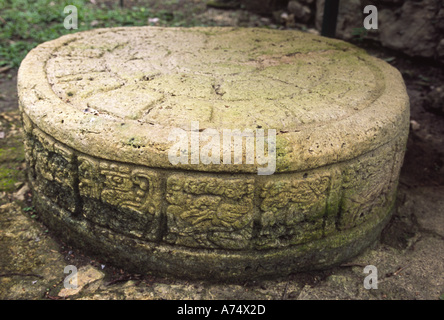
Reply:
x=409, y=255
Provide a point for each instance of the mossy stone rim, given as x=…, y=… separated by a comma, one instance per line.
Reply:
x=363, y=126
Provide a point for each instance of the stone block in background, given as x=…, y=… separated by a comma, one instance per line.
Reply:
x=301, y=12
x=412, y=27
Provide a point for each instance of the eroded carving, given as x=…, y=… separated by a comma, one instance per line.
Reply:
x=293, y=209
x=53, y=169
x=369, y=187
x=209, y=212
x=122, y=197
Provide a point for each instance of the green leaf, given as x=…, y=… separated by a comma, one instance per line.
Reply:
x=389, y=59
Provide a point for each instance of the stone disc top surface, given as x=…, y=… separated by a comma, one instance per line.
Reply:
x=118, y=93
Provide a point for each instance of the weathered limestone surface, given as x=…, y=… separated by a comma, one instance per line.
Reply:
x=98, y=108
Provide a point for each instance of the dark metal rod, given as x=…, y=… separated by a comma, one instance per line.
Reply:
x=331, y=8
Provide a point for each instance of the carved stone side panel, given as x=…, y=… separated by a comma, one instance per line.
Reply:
x=369, y=186
x=89, y=177
x=209, y=212
x=28, y=146
x=54, y=170
x=122, y=197
x=399, y=148
x=294, y=209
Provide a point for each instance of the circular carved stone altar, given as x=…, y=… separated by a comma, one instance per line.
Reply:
x=99, y=108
